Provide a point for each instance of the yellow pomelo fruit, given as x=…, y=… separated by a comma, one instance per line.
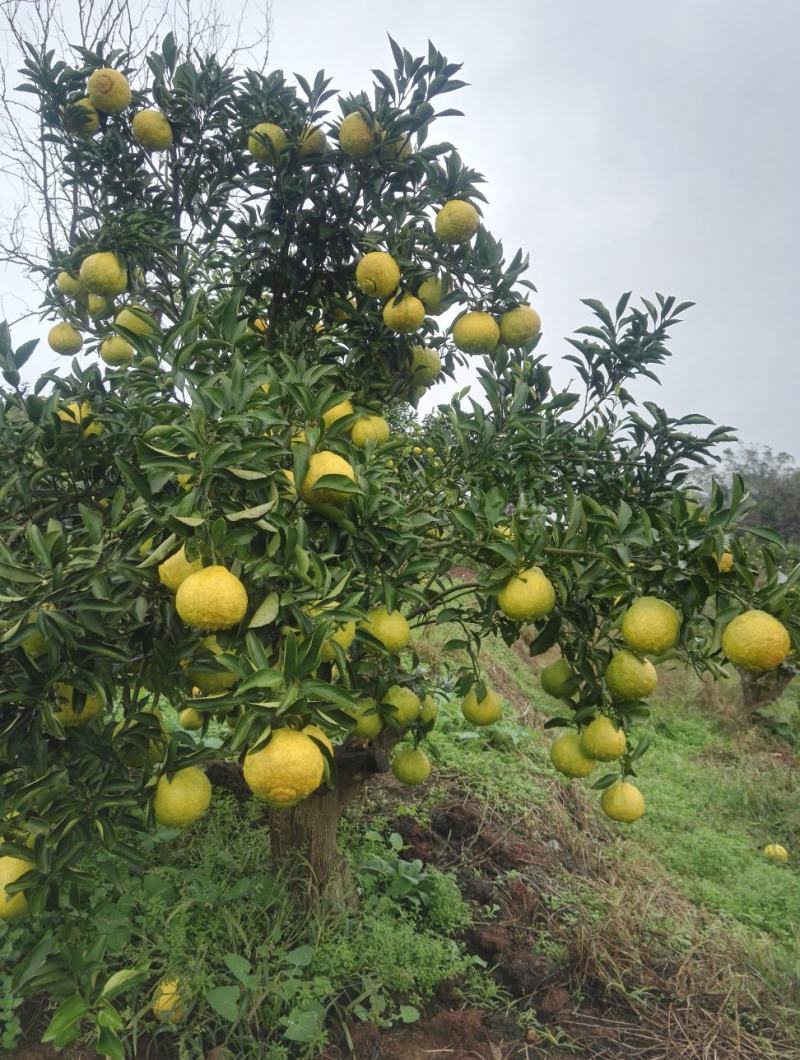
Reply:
x=321, y=464
x=476, y=333
x=404, y=705
x=426, y=365
x=287, y=769
x=651, y=626
x=169, y=1005
x=457, y=222
x=12, y=905
x=182, y=800
x=622, y=802
x=344, y=636
x=64, y=338
x=776, y=851
x=211, y=598
x=756, y=641
x=312, y=142
x=97, y=306
x=108, y=91
x=568, y=757
x=135, y=318
x=357, y=137
x=404, y=315
x=528, y=596
x=430, y=293
x=630, y=677
x=69, y=285
x=601, y=739
x=378, y=274
x=394, y=146
x=84, y=118
x=74, y=414
x=319, y=734
x=207, y=676
x=68, y=713
x=417, y=450
x=520, y=326
x=430, y=710
x=725, y=563
x=411, y=765
x=370, y=429
x=482, y=712
x=266, y=141
x=369, y=723
x=35, y=645
x=103, y=273
x=337, y=412
x=390, y=628
x=116, y=351
x=151, y=130
x=555, y=678
x=190, y=719
x=176, y=569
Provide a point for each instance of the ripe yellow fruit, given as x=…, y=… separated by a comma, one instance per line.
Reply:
x=266, y=141
x=35, y=645
x=169, y=1005
x=312, y=142
x=630, y=677
x=357, y=136
x=528, y=596
x=287, y=769
x=64, y=338
x=108, y=91
x=135, y=318
x=772, y=850
x=320, y=735
x=390, y=628
x=393, y=146
x=369, y=723
x=319, y=465
x=182, y=800
x=725, y=563
x=601, y=739
x=211, y=598
x=97, y=306
x=568, y=758
x=520, y=326
x=103, y=273
x=115, y=351
x=11, y=869
x=151, y=130
x=756, y=641
x=337, y=412
x=457, y=222
x=404, y=315
x=622, y=801
x=651, y=626
x=430, y=710
x=174, y=571
x=404, y=705
x=411, y=765
x=378, y=274
x=74, y=414
x=84, y=120
x=430, y=293
x=344, y=636
x=68, y=714
x=482, y=712
x=426, y=365
x=556, y=677
x=190, y=719
x=69, y=285
x=370, y=429
x=476, y=333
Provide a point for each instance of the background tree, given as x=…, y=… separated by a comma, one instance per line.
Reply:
x=219, y=502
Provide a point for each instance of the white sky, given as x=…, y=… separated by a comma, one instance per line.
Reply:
x=627, y=144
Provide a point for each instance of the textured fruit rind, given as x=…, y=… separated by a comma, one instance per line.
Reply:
x=287, y=769
x=601, y=739
x=211, y=598
x=391, y=629
x=756, y=641
x=528, y=596
x=568, y=758
x=630, y=677
x=484, y=712
x=622, y=801
x=651, y=626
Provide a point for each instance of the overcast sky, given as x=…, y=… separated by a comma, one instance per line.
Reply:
x=627, y=144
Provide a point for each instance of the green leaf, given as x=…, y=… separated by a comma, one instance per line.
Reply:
x=409, y=1014
x=304, y=1024
x=64, y=1027
x=110, y=1044
x=225, y=1001
x=118, y=982
x=266, y=678
x=266, y=612
x=300, y=957
x=239, y=966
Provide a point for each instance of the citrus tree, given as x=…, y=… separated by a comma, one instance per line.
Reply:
x=226, y=505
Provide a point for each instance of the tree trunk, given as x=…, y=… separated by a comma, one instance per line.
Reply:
x=758, y=689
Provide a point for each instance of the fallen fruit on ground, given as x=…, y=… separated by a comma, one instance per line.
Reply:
x=12, y=905
x=169, y=1005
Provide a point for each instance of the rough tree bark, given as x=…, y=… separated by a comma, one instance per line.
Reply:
x=758, y=689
